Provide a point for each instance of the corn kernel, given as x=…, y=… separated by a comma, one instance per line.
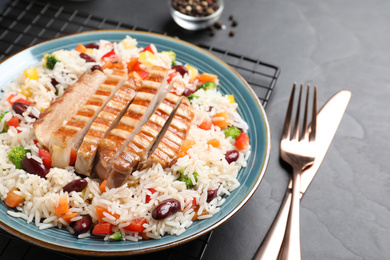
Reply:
x=25, y=91
x=31, y=73
x=147, y=58
x=192, y=71
x=231, y=98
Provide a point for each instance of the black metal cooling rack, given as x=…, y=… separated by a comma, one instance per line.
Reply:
x=24, y=23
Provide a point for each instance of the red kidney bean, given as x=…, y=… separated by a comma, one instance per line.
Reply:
x=86, y=57
x=231, y=156
x=92, y=45
x=165, y=209
x=181, y=69
x=20, y=108
x=76, y=185
x=54, y=82
x=212, y=194
x=82, y=225
x=187, y=92
x=34, y=167
x=96, y=67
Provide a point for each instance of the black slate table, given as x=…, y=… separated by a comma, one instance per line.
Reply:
x=335, y=45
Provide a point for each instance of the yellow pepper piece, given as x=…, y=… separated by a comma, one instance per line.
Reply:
x=31, y=73
x=26, y=91
x=147, y=58
x=231, y=98
x=128, y=45
x=192, y=71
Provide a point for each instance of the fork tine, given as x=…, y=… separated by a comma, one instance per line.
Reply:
x=313, y=131
x=304, y=125
x=296, y=124
x=287, y=120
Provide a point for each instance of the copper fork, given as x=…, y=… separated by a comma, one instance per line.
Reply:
x=298, y=150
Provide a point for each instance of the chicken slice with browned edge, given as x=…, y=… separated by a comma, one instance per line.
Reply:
x=104, y=122
x=137, y=150
x=70, y=135
x=168, y=149
x=64, y=107
x=131, y=122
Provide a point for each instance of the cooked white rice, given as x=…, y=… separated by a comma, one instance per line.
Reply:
x=128, y=201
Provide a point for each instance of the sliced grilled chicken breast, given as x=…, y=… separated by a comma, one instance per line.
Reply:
x=64, y=107
x=104, y=122
x=70, y=135
x=168, y=149
x=131, y=122
x=138, y=148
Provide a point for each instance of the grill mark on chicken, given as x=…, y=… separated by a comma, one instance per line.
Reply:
x=70, y=135
x=139, y=146
x=104, y=122
x=168, y=149
x=73, y=98
x=131, y=121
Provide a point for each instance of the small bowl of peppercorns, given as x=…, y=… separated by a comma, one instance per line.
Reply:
x=196, y=14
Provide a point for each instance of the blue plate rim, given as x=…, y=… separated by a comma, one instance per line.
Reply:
x=244, y=200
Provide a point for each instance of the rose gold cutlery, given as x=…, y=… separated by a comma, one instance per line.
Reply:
x=328, y=120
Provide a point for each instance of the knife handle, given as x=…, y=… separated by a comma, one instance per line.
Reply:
x=270, y=247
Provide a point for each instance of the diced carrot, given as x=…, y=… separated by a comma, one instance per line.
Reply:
x=196, y=216
x=136, y=66
x=68, y=217
x=118, y=65
x=214, y=142
x=136, y=225
x=100, y=214
x=102, y=229
x=107, y=65
x=13, y=199
x=63, y=205
x=221, y=119
x=46, y=157
x=103, y=185
x=147, y=197
x=186, y=146
x=242, y=141
x=206, y=125
x=81, y=48
x=131, y=64
x=206, y=77
x=73, y=157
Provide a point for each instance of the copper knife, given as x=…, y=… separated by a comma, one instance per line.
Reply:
x=328, y=120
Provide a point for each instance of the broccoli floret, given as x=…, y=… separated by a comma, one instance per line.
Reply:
x=208, y=85
x=51, y=61
x=172, y=55
x=192, y=96
x=116, y=236
x=16, y=155
x=5, y=127
x=232, y=131
x=187, y=180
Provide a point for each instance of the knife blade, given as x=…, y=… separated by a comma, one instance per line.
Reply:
x=328, y=120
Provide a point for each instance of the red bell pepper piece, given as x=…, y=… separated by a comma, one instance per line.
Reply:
x=148, y=48
x=109, y=55
x=102, y=229
x=136, y=225
x=143, y=74
x=147, y=197
x=46, y=157
x=14, y=121
x=242, y=141
x=22, y=100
